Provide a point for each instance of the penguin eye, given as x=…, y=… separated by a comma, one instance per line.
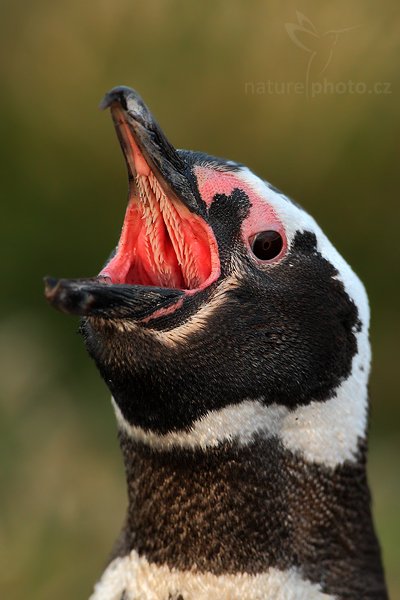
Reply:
x=266, y=245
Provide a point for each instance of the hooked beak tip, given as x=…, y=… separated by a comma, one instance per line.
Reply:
x=117, y=94
x=125, y=97
x=71, y=296
x=50, y=284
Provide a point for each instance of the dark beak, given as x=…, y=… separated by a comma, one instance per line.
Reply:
x=94, y=298
x=150, y=270
x=134, y=123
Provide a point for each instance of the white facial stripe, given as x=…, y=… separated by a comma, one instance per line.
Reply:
x=325, y=433
x=238, y=422
x=142, y=580
x=322, y=432
x=328, y=432
x=296, y=219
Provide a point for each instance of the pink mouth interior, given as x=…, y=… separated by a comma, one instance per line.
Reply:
x=162, y=243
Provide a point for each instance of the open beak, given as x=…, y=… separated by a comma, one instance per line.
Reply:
x=167, y=249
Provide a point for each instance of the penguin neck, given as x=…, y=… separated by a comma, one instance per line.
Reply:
x=254, y=509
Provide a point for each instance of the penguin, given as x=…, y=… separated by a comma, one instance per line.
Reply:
x=234, y=340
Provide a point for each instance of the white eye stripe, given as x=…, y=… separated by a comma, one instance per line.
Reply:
x=327, y=432
x=295, y=219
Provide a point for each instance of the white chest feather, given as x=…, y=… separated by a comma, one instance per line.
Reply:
x=134, y=578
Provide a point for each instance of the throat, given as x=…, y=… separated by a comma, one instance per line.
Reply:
x=255, y=510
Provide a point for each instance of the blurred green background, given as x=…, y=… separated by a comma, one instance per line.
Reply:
x=220, y=77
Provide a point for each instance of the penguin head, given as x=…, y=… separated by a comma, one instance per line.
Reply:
x=221, y=290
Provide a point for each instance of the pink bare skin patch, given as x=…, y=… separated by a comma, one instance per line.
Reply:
x=262, y=216
x=163, y=312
